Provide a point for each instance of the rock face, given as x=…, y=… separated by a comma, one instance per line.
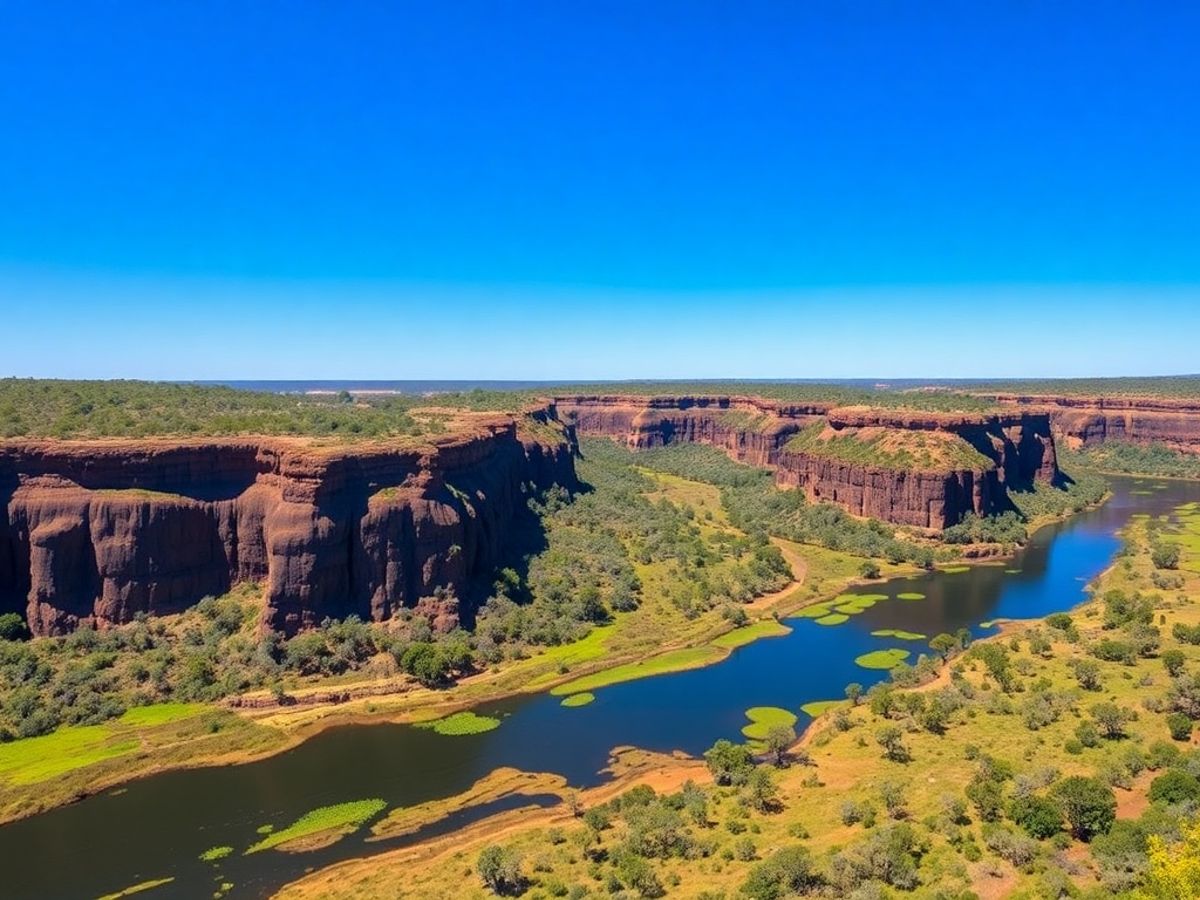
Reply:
x=1013, y=450
x=98, y=531
x=1086, y=421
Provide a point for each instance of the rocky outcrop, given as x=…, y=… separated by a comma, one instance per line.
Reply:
x=1087, y=421
x=98, y=531
x=1010, y=450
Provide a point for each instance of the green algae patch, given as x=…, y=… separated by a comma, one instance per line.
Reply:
x=212, y=854
x=910, y=595
x=848, y=609
x=817, y=707
x=832, y=619
x=580, y=699
x=137, y=888
x=900, y=634
x=883, y=659
x=1012, y=571
x=814, y=612
x=264, y=829
x=462, y=723
x=326, y=822
x=954, y=570
x=764, y=718
x=747, y=634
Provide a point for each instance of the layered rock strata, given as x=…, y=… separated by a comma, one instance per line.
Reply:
x=99, y=531
x=1087, y=421
x=1010, y=450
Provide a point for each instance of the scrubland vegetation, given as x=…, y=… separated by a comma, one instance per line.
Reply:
x=1136, y=459
x=1057, y=759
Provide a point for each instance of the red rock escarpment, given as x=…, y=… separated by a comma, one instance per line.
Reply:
x=97, y=531
x=1087, y=421
x=1018, y=447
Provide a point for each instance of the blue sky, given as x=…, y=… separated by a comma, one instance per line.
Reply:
x=590, y=190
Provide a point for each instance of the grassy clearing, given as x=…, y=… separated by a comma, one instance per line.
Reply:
x=674, y=661
x=747, y=634
x=337, y=820
x=817, y=707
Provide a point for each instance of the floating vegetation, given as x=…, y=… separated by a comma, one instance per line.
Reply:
x=212, y=854
x=814, y=612
x=816, y=707
x=883, y=659
x=832, y=619
x=900, y=634
x=330, y=821
x=954, y=570
x=265, y=829
x=138, y=888
x=580, y=699
x=461, y=723
x=1141, y=493
x=1012, y=571
x=910, y=595
x=764, y=718
x=849, y=609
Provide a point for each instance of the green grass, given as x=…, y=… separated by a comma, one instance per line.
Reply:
x=137, y=888
x=212, y=854
x=462, y=723
x=41, y=758
x=764, y=718
x=817, y=707
x=161, y=713
x=674, y=661
x=581, y=699
x=900, y=634
x=339, y=817
x=739, y=637
x=833, y=619
x=883, y=659
x=910, y=595
x=816, y=611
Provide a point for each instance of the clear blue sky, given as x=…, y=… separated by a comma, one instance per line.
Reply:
x=588, y=190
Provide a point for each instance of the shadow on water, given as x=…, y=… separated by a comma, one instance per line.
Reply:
x=157, y=827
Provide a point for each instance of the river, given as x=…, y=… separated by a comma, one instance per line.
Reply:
x=156, y=827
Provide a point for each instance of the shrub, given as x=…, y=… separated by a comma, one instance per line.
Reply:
x=1180, y=726
x=787, y=871
x=1040, y=817
x=1175, y=786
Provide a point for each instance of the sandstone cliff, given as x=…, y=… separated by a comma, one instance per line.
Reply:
x=931, y=489
x=97, y=531
x=1086, y=421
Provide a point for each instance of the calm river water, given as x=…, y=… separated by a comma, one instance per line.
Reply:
x=157, y=827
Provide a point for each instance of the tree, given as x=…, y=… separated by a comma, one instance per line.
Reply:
x=761, y=791
x=869, y=569
x=1088, y=804
x=987, y=796
x=1180, y=726
x=500, y=869
x=1173, y=661
x=1087, y=673
x=728, y=762
x=1175, y=786
x=785, y=872
x=1112, y=719
x=1165, y=556
x=891, y=739
x=12, y=627
x=943, y=645
x=779, y=738
x=854, y=692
